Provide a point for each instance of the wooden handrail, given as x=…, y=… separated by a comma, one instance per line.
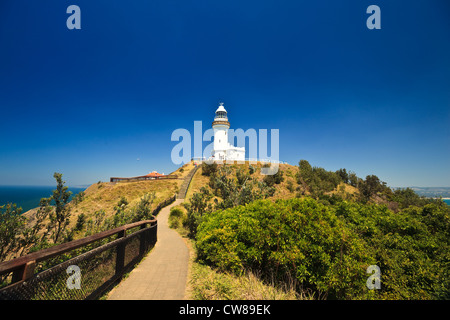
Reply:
x=143, y=178
x=15, y=264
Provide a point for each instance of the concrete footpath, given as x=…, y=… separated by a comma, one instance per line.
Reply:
x=162, y=275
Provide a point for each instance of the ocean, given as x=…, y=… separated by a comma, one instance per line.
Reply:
x=28, y=197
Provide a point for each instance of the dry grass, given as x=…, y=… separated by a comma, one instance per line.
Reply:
x=198, y=181
x=106, y=195
x=206, y=283
x=287, y=189
x=282, y=190
x=183, y=171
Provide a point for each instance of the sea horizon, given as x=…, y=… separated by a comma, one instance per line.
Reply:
x=28, y=196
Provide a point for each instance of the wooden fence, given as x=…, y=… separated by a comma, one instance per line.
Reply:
x=100, y=259
x=143, y=178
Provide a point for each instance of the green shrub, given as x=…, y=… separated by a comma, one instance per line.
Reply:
x=317, y=180
x=81, y=220
x=328, y=246
x=209, y=169
x=411, y=247
x=175, y=217
x=276, y=178
x=298, y=238
x=142, y=210
x=197, y=207
x=175, y=212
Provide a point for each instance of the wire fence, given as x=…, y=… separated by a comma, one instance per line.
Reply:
x=243, y=161
x=95, y=263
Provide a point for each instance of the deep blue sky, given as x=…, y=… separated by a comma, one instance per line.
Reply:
x=88, y=103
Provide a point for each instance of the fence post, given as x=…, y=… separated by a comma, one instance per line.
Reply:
x=143, y=241
x=154, y=233
x=24, y=272
x=120, y=254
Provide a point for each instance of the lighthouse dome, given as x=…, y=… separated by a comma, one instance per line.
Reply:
x=221, y=108
x=221, y=113
x=221, y=117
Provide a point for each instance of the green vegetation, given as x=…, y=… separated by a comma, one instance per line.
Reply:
x=302, y=233
x=319, y=234
x=11, y=224
x=50, y=226
x=78, y=198
x=50, y=223
x=59, y=218
x=297, y=238
x=226, y=191
x=327, y=249
x=315, y=180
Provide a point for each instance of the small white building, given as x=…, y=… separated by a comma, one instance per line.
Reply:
x=223, y=150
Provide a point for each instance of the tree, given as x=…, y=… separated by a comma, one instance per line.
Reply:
x=81, y=220
x=317, y=180
x=119, y=216
x=30, y=238
x=142, y=211
x=343, y=174
x=353, y=179
x=305, y=171
x=59, y=219
x=198, y=205
x=407, y=197
x=208, y=169
x=11, y=226
x=371, y=186
x=239, y=191
x=78, y=198
x=276, y=178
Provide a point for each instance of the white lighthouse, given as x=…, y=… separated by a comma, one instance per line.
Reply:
x=223, y=150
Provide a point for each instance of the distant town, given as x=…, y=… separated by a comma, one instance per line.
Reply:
x=432, y=192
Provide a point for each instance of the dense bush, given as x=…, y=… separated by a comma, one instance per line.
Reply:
x=317, y=180
x=327, y=248
x=209, y=168
x=273, y=179
x=411, y=247
x=228, y=191
x=406, y=197
x=175, y=217
x=297, y=238
x=198, y=205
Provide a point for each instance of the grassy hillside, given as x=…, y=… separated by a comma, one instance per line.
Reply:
x=286, y=189
x=106, y=195
x=103, y=197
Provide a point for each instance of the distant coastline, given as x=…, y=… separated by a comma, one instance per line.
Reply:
x=432, y=192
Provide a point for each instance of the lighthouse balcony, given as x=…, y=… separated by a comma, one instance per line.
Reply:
x=224, y=123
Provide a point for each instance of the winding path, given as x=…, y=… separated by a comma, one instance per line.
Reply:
x=162, y=275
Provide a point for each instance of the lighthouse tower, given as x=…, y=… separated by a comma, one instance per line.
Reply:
x=223, y=150
x=220, y=126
